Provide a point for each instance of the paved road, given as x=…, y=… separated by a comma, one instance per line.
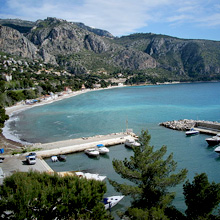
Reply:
x=12, y=164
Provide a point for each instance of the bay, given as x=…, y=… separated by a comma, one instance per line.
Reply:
x=144, y=107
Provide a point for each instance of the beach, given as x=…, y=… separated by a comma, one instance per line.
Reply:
x=13, y=163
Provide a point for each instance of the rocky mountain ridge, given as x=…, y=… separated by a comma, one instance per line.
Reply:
x=81, y=49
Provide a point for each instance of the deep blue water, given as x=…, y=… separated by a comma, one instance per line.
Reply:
x=144, y=107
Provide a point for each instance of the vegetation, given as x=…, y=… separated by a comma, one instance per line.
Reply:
x=35, y=195
x=152, y=177
x=3, y=117
x=201, y=198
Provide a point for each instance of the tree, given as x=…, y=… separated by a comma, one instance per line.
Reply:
x=35, y=195
x=201, y=197
x=3, y=117
x=152, y=177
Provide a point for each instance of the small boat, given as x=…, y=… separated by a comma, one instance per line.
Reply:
x=90, y=176
x=61, y=158
x=213, y=140
x=111, y=201
x=54, y=158
x=217, y=149
x=92, y=152
x=131, y=143
x=102, y=149
x=192, y=131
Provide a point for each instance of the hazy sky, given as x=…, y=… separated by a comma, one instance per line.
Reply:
x=189, y=19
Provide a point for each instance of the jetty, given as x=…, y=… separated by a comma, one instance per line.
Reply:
x=205, y=127
x=80, y=144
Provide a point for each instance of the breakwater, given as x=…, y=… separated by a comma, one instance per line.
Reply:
x=207, y=127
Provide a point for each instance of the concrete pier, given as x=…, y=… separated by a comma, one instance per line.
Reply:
x=80, y=144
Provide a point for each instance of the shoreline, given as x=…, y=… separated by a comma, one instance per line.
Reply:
x=7, y=135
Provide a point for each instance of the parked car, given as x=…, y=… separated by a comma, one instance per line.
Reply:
x=31, y=159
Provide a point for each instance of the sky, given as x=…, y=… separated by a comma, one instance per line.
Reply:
x=189, y=19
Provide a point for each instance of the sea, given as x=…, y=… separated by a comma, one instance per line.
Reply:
x=138, y=108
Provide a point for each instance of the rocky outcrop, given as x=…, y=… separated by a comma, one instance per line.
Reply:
x=180, y=125
x=134, y=60
x=187, y=124
x=13, y=42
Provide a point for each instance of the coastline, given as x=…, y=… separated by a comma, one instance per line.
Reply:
x=9, y=141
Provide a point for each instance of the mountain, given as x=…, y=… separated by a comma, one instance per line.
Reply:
x=82, y=49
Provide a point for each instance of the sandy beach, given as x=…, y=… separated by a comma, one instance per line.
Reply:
x=9, y=138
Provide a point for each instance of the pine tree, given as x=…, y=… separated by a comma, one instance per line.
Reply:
x=201, y=197
x=151, y=177
x=35, y=195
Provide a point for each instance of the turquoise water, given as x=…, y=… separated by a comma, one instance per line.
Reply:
x=144, y=107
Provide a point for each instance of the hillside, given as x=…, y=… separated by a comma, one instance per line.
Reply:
x=139, y=58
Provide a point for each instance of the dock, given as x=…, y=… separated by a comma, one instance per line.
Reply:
x=80, y=144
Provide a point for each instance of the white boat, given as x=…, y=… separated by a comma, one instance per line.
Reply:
x=102, y=149
x=217, y=149
x=213, y=140
x=90, y=176
x=92, y=152
x=111, y=201
x=54, y=158
x=192, y=131
x=131, y=143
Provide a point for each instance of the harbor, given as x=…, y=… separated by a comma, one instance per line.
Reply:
x=13, y=163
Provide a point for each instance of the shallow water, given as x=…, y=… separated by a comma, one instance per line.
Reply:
x=144, y=107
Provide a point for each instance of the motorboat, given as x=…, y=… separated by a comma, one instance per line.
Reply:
x=90, y=176
x=54, y=158
x=92, y=152
x=61, y=158
x=102, y=149
x=217, y=149
x=131, y=143
x=213, y=140
x=111, y=201
x=192, y=131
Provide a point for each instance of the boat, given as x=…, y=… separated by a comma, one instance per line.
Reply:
x=102, y=149
x=192, y=131
x=61, y=158
x=131, y=143
x=92, y=152
x=90, y=176
x=111, y=201
x=213, y=140
x=217, y=149
x=54, y=158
